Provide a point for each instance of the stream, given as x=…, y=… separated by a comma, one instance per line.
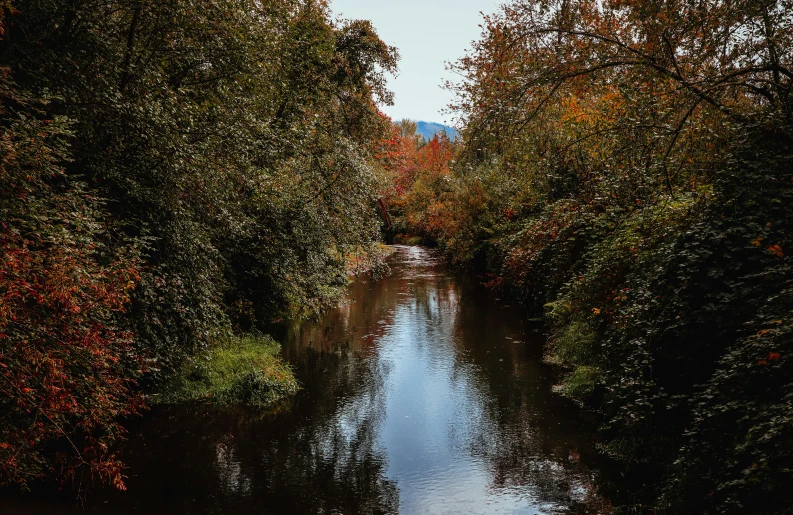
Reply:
x=422, y=394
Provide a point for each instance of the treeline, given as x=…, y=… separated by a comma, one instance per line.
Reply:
x=172, y=171
x=416, y=171
x=627, y=167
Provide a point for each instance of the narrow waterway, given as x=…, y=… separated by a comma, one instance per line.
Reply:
x=422, y=394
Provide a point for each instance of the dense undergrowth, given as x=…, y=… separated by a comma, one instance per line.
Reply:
x=627, y=169
x=171, y=172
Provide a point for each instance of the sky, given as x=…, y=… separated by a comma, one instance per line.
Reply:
x=427, y=33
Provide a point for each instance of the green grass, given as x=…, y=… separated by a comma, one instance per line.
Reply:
x=239, y=370
x=581, y=383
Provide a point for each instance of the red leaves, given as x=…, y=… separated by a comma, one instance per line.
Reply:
x=776, y=250
x=772, y=356
x=61, y=357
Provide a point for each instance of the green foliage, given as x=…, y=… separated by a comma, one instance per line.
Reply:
x=236, y=370
x=68, y=370
x=190, y=171
x=574, y=343
x=636, y=182
x=231, y=142
x=582, y=382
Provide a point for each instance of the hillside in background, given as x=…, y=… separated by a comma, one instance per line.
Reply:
x=429, y=129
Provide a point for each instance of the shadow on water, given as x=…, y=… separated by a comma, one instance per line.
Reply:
x=422, y=394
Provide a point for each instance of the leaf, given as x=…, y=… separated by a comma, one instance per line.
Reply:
x=776, y=250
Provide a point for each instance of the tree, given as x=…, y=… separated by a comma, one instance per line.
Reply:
x=194, y=171
x=637, y=150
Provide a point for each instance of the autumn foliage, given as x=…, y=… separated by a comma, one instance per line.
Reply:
x=625, y=169
x=170, y=177
x=418, y=175
x=67, y=369
x=64, y=363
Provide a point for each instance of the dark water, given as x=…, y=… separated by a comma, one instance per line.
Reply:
x=422, y=394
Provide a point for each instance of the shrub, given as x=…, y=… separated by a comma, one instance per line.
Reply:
x=68, y=368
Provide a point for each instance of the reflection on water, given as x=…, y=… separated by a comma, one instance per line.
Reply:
x=422, y=394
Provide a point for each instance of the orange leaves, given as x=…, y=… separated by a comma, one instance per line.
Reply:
x=398, y=155
x=776, y=250
x=772, y=356
x=419, y=173
x=436, y=156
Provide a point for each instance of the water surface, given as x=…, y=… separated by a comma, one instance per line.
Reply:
x=422, y=394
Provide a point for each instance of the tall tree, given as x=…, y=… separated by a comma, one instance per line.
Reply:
x=222, y=156
x=638, y=151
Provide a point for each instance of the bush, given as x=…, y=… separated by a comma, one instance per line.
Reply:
x=68, y=367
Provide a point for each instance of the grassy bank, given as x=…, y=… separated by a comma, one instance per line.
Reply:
x=243, y=370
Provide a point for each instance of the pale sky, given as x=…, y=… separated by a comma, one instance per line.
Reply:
x=427, y=34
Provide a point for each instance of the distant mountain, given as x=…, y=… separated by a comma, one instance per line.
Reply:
x=429, y=129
